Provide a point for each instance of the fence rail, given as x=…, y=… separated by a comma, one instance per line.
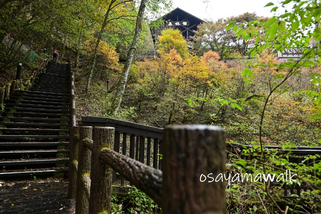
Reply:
x=92, y=158
x=144, y=143
x=139, y=142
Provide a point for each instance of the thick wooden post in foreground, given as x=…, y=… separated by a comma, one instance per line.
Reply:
x=101, y=173
x=73, y=161
x=84, y=165
x=189, y=152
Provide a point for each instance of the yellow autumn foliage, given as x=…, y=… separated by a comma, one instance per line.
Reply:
x=107, y=55
x=172, y=39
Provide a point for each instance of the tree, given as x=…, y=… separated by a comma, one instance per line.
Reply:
x=131, y=53
x=38, y=24
x=215, y=37
x=130, y=56
x=291, y=29
x=112, y=5
x=172, y=39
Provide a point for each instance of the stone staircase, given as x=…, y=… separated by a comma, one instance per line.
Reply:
x=34, y=127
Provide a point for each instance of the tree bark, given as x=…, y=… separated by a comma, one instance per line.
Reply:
x=78, y=53
x=63, y=47
x=189, y=152
x=130, y=56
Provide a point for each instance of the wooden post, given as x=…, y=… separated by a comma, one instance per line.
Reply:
x=8, y=86
x=84, y=165
x=13, y=87
x=2, y=96
x=73, y=161
x=189, y=152
x=17, y=85
x=28, y=85
x=72, y=106
x=101, y=173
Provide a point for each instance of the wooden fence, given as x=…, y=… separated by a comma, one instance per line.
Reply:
x=146, y=147
x=72, y=104
x=137, y=141
x=188, y=152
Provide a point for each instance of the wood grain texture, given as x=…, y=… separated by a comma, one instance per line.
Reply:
x=142, y=176
x=84, y=166
x=101, y=173
x=73, y=156
x=190, y=151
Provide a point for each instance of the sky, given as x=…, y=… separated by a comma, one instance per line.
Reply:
x=216, y=9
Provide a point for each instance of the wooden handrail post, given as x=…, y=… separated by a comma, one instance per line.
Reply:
x=13, y=87
x=101, y=173
x=8, y=86
x=72, y=104
x=73, y=161
x=28, y=85
x=189, y=152
x=84, y=165
x=2, y=97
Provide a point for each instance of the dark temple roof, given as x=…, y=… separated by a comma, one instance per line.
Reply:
x=181, y=20
x=181, y=15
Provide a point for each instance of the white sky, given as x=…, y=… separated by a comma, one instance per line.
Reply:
x=216, y=9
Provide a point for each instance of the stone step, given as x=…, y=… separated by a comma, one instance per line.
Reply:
x=33, y=144
x=32, y=119
x=42, y=98
x=28, y=162
x=34, y=102
x=34, y=136
x=32, y=130
x=36, y=106
x=26, y=173
x=21, y=109
x=43, y=115
x=16, y=125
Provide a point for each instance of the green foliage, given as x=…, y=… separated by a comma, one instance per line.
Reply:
x=247, y=194
x=135, y=202
x=258, y=101
x=142, y=202
x=293, y=29
x=224, y=41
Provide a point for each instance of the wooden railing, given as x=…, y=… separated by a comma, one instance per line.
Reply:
x=21, y=84
x=188, y=152
x=146, y=147
x=72, y=105
x=139, y=142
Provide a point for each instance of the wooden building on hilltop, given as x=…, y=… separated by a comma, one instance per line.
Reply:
x=178, y=19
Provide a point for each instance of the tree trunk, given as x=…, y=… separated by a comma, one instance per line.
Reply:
x=97, y=44
x=63, y=48
x=130, y=56
x=78, y=54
